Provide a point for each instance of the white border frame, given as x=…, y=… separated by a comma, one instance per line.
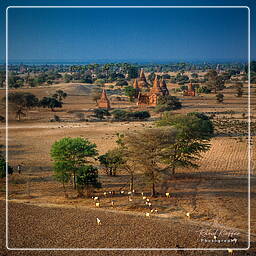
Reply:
x=134, y=249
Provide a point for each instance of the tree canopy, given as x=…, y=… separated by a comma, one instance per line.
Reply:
x=194, y=131
x=21, y=102
x=71, y=154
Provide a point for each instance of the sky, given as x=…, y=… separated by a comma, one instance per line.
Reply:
x=127, y=34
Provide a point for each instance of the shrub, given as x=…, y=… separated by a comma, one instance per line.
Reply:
x=167, y=103
x=122, y=115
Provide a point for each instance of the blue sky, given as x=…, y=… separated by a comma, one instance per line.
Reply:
x=128, y=34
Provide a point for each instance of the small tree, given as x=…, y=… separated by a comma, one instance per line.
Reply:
x=21, y=102
x=119, y=114
x=101, y=112
x=219, y=97
x=112, y=160
x=3, y=168
x=121, y=82
x=146, y=149
x=87, y=178
x=131, y=92
x=167, y=103
x=239, y=89
x=70, y=154
x=194, y=131
x=50, y=102
x=59, y=95
x=214, y=81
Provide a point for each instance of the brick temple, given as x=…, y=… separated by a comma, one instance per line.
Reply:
x=190, y=91
x=104, y=101
x=151, y=98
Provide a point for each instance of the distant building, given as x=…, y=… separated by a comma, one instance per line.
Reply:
x=104, y=101
x=151, y=98
x=142, y=81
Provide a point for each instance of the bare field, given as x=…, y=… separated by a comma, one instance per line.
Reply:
x=216, y=193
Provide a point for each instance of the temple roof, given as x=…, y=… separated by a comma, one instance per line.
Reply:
x=142, y=75
x=103, y=95
x=135, y=84
x=156, y=86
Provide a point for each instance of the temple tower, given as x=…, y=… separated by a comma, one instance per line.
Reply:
x=142, y=81
x=104, y=101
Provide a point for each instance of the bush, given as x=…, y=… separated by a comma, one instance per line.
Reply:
x=100, y=113
x=3, y=168
x=203, y=89
x=138, y=115
x=121, y=83
x=167, y=103
x=119, y=114
x=122, y=115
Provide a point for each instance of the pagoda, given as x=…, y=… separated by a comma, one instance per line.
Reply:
x=104, y=101
x=142, y=81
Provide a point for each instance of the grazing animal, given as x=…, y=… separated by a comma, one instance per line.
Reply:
x=215, y=237
x=167, y=194
x=97, y=204
x=230, y=251
x=105, y=193
x=98, y=221
x=129, y=192
x=149, y=204
x=147, y=214
x=96, y=198
x=142, y=193
x=112, y=203
x=188, y=214
x=156, y=211
x=130, y=199
x=147, y=199
x=122, y=192
x=144, y=198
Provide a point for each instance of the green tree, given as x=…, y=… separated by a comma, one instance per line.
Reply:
x=119, y=114
x=101, y=113
x=214, y=81
x=194, y=131
x=60, y=95
x=239, y=89
x=21, y=102
x=167, y=103
x=87, y=179
x=3, y=168
x=131, y=92
x=112, y=160
x=121, y=82
x=50, y=102
x=71, y=154
x=2, y=78
x=219, y=97
x=132, y=72
x=145, y=150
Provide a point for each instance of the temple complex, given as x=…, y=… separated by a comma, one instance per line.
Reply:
x=136, y=87
x=104, y=101
x=151, y=98
x=164, y=87
x=190, y=91
x=142, y=81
